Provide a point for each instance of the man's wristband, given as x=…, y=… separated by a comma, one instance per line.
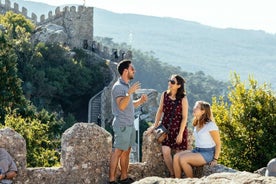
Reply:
x=215, y=159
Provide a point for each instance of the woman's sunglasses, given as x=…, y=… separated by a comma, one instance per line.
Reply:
x=171, y=81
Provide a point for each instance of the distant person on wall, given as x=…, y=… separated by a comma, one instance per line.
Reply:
x=207, y=142
x=123, y=122
x=93, y=47
x=99, y=120
x=173, y=109
x=85, y=44
x=8, y=169
x=116, y=54
x=123, y=55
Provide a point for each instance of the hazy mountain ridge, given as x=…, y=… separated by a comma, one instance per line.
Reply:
x=194, y=46
x=187, y=44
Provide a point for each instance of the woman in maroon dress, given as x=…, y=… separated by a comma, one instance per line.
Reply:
x=173, y=109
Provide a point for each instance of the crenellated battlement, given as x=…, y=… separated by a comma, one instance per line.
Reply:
x=7, y=6
x=79, y=11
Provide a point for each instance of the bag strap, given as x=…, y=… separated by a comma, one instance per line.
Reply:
x=172, y=112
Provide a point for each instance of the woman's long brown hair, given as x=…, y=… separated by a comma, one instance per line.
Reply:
x=206, y=117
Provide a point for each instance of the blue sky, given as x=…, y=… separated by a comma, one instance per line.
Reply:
x=242, y=14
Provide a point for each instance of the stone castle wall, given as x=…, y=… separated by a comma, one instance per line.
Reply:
x=77, y=22
x=85, y=155
x=4, y=7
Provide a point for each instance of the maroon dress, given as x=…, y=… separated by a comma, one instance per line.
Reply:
x=168, y=107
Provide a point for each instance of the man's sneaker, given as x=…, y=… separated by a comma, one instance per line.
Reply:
x=126, y=181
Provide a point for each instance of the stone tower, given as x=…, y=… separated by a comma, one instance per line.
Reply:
x=78, y=25
x=77, y=22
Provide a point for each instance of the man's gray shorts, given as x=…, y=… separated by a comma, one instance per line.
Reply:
x=124, y=137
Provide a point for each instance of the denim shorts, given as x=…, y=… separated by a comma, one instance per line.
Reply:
x=207, y=153
x=124, y=137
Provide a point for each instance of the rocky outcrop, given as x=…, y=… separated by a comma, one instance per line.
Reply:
x=50, y=33
x=217, y=178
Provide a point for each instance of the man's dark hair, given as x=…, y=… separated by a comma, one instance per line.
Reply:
x=124, y=64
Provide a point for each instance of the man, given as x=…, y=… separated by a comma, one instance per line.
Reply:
x=7, y=167
x=123, y=122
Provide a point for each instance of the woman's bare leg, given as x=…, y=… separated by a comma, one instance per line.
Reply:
x=168, y=158
x=176, y=164
x=188, y=160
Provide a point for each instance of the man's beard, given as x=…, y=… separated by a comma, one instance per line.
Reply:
x=130, y=77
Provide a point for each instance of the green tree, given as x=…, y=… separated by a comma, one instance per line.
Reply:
x=41, y=150
x=41, y=130
x=247, y=124
x=58, y=83
x=13, y=21
x=11, y=94
x=18, y=32
x=14, y=46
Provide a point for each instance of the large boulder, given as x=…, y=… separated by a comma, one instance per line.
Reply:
x=50, y=33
